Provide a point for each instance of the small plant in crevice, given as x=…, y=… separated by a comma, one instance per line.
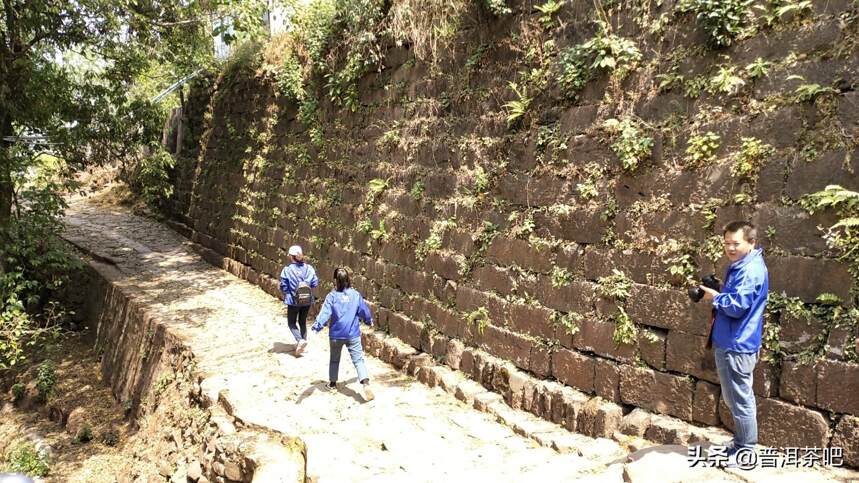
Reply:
x=561, y=277
x=588, y=187
x=380, y=233
x=630, y=144
x=810, y=92
x=375, y=188
x=365, y=226
x=498, y=7
x=722, y=20
x=752, y=156
x=84, y=434
x=434, y=240
x=522, y=224
x=843, y=236
x=615, y=286
x=758, y=68
x=478, y=318
x=569, y=321
x=625, y=330
x=701, y=149
x=18, y=391
x=549, y=9
x=726, y=81
x=417, y=191
x=517, y=108
x=604, y=53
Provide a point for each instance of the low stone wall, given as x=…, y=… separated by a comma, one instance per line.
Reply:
x=152, y=371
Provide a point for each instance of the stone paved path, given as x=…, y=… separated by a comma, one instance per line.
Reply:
x=239, y=336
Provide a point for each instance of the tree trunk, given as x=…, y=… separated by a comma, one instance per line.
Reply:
x=6, y=188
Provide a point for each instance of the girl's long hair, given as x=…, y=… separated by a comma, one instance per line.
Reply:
x=341, y=279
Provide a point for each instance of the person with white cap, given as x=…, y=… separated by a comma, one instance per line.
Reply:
x=297, y=281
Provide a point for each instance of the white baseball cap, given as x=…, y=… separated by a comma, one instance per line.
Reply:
x=295, y=251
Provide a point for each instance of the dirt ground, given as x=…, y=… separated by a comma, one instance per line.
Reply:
x=78, y=385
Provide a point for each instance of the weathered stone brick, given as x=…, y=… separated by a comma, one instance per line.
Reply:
x=765, y=378
x=574, y=369
x=798, y=333
x=504, y=251
x=541, y=361
x=847, y=437
x=531, y=320
x=784, y=425
x=442, y=264
x=597, y=336
x=652, y=349
x=636, y=422
x=807, y=278
x=584, y=225
x=838, y=386
x=453, y=356
x=705, y=406
x=599, y=418
x=578, y=296
x=687, y=353
x=492, y=278
x=607, y=380
x=828, y=169
x=406, y=329
x=507, y=345
x=668, y=309
x=568, y=407
x=667, y=430
x=798, y=383
x=657, y=391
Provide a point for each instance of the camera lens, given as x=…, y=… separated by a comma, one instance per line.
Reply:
x=695, y=293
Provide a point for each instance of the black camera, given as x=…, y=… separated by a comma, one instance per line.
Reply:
x=709, y=281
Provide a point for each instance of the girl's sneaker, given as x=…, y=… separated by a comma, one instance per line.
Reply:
x=330, y=387
x=299, y=348
x=368, y=393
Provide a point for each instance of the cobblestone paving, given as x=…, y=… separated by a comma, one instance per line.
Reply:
x=408, y=433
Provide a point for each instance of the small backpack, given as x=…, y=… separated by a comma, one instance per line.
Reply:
x=303, y=295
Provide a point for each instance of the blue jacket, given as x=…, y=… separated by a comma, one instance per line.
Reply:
x=740, y=305
x=343, y=309
x=292, y=274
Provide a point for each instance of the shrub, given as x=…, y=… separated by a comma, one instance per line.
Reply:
x=604, y=53
x=631, y=145
x=25, y=459
x=46, y=379
x=702, y=149
x=150, y=178
x=752, y=156
x=615, y=286
x=723, y=20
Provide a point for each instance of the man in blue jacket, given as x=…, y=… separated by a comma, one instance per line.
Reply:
x=737, y=329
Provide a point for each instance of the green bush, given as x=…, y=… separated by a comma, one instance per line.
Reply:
x=723, y=20
x=150, y=178
x=46, y=379
x=17, y=391
x=702, y=149
x=25, y=459
x=34, y=263
x=631, y=145
x=604, y=53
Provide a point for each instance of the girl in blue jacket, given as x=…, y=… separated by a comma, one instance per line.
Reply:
x=343, y=307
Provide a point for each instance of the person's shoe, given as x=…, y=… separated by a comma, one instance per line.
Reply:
x=368, y=393
x=299, y=348
x=330, y=387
